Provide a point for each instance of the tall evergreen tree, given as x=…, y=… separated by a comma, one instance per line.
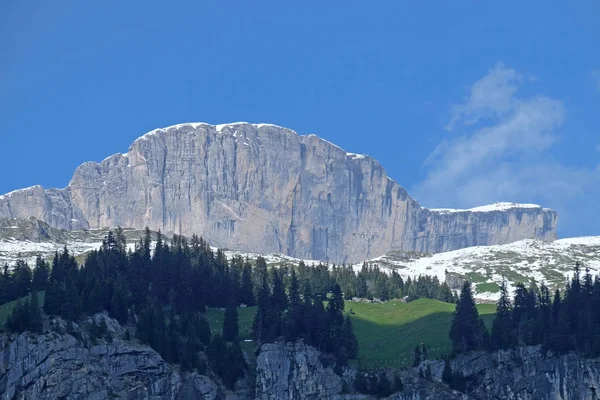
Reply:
x=295, y=315
x=349, y=341
x=246, y=286
x=502, y=328
x=230, y=323
x=467, y=332
x=41, y=273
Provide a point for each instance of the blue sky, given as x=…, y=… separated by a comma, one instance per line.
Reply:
x=464, y=102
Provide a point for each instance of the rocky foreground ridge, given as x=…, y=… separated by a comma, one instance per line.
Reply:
x=265, y=189
x=60, y=365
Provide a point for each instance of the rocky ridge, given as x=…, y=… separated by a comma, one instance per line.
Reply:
x=59, y=364
x=266, y=189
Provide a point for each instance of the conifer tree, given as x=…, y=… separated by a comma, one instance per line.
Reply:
x=22, y=278
x=349, y=341
x=230, y=323
x=261, y=327
x=41, y=273
x=361, y=286
x=335, y=317
x=502, y=328
x=295, y=315
x=467, y=332
x=246, y=286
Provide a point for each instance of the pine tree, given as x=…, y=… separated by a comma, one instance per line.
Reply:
x=230, y=323
x=349, y=341
x=261, y=326
x=361, y=286
x=295, y=316
x=335, y=318
x=502, y=328
x=22, y=278
x=41, y=273
x=467, y=331
x=246, y=287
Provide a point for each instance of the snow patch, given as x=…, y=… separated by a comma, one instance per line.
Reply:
x=9, y=194
x=501, y=206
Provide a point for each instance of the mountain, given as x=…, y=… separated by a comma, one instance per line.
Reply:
x=264, y=188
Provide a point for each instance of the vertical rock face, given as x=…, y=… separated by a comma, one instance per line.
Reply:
x=263, y=188
x=58, y=366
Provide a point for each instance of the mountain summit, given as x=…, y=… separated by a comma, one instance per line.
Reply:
x=264, y=188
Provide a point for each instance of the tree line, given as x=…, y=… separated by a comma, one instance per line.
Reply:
x=164, y=290
x=560, y=322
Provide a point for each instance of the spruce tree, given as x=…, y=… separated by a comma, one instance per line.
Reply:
x=361, y=286
x=246, y=286
x=502, y=328
x=335, y=318
x=261, y=326
x=467, y=331
x=41, y=273
x=349, y=341
x=230, y=323
x=295, y=315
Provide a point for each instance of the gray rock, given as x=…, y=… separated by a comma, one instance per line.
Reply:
x=525, y=374
x=293, y=371
x=263, y=188
x=59, y=366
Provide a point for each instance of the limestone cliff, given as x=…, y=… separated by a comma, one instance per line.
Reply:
x=263, y=188
x=57, y=365
x=293, y=371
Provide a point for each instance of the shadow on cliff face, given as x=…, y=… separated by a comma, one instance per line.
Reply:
x=392, y=344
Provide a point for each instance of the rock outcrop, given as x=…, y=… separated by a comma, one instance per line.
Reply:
x=60, y=366
x=56, y=365
x=528, y=373
x=294, y=371
x=263, y=188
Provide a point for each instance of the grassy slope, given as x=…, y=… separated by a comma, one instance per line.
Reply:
x=387, y=332
x=6, y=309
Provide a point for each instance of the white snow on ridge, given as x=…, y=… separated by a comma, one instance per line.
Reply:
x=500, y=206
x=550, y=262
x=356, y=156
x=9, y=194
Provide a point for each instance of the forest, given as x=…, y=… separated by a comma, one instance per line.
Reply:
x=164, y=290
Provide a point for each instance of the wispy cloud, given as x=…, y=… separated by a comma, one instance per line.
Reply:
x=499, y=149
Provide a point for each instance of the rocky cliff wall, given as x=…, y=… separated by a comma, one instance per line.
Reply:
x=263, y=188
x=56, y=365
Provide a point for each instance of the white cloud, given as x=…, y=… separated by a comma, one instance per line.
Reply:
x=502, y=152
